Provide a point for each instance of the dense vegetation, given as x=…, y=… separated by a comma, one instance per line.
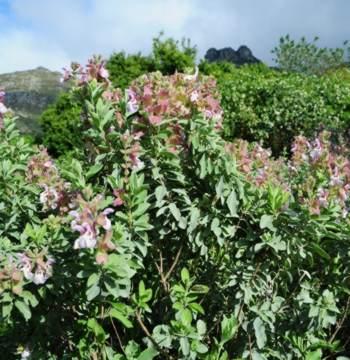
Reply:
x=159, y=234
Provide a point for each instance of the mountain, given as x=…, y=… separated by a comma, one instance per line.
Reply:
x=239, y=57
x=28, y=93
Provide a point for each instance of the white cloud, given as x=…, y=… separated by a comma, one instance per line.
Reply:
x=22, y=50
x=51, y=33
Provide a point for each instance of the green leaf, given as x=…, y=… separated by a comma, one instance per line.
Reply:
x=185, y=276
x=320, y=251
x=185, y=346
x=148, y=354
x=229, y=327
x=24, y=309
x=121, y=317
x=97, y=329
x=232, y=203
x=201, y=327
x=314, y=355
x=186, y=317
x=266, y=221
x=92, y=292
x=260, y=333
x=93, y=170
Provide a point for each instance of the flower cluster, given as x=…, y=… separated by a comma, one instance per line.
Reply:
x=3, y=108
x=36, y=267
x=328, y=179
x=158, y=97
x=89, y=220
x=95, y=69
x=11, y=278
x=42, y=171
x=257, y=164
x=132, y=150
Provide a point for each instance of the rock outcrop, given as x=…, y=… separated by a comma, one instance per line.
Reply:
x=239, y=57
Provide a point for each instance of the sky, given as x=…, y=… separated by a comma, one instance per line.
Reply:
x=52, y=33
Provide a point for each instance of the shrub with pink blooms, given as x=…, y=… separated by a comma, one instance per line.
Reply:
x=161, y=240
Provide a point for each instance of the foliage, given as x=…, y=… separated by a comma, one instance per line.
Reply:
x=161, y=240
x=270, y=106
x=125, y=68
x=170, y=55
x=60, y=125
x=307, y=57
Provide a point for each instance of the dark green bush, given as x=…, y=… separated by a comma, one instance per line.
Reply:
x=271, y=106
x=170, y=55
x=60, y=124
x=125, y=68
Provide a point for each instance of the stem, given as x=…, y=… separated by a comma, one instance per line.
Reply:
x=148, y=334
x=117, y=335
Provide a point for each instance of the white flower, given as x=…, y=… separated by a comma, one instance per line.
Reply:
x=194, y=96
x=49, y=197
x=40, y=277
x=138, y=164
x=85, y=241
x=3, y=109
x=25, y=354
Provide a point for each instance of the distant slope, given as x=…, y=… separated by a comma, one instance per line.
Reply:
x=29, y=92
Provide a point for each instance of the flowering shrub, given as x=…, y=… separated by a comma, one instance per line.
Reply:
x=163, y=241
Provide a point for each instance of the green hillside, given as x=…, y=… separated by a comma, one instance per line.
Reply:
x=29, y=92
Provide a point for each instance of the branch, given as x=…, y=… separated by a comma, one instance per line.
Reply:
x=148, y=334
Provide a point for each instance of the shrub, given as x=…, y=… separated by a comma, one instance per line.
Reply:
x=125, y=68
x=273, y=107
x=163, y=241
x=60, y=123
x=170, y=55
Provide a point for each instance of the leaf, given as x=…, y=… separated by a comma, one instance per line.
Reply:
x=175, y=211
x=160, y=193
x=320, y=251
x=24, y=309
x=185, y=346
x=229, y=327
x=92, y=292
x=97, y=329
x=186, y=317
x=314, y=355
x=185, y=276
x=201, y=327
x=93, y=279
x=148, y=354
x=260, y=334
x=93, y=170
x=266, y=221
x=232, y=203
x=121, y=317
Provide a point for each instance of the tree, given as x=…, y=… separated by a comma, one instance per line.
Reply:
x=307, y=57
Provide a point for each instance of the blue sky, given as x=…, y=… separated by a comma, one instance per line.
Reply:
x=52, y=33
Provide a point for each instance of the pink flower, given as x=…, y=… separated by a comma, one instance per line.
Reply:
x=118, y=199
x=103, y=72
x=155, y=120
x=138, y=135
x=67, y=75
